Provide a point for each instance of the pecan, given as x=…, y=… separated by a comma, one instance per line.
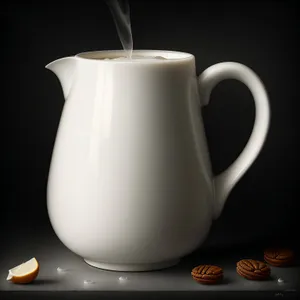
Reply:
x=253, y=269
x=279, y=257
x=207, y=274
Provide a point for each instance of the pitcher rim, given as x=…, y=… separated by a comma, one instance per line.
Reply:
x=172, y=56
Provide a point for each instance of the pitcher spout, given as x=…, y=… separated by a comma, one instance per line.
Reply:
x=64, y=69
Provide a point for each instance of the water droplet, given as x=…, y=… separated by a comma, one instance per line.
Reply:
x=88, y=281
x=280, y=280
x=61, y=270
x=123, y=278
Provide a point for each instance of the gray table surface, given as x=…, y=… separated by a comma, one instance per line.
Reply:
x=52, y=254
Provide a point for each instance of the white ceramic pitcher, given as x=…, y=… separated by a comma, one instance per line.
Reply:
x=130, y=185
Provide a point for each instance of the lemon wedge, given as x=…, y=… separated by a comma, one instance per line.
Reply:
x=25, y=272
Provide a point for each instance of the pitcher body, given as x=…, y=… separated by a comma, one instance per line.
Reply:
x=130, y=184
x=127, y=183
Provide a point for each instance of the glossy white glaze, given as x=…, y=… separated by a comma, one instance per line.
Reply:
x=130, y=184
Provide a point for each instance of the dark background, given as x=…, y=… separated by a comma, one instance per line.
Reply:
x=262, y=35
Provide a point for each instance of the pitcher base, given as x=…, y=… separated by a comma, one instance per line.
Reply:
x=133, y=267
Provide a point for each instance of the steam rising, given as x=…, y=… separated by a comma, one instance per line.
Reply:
x=121, y=14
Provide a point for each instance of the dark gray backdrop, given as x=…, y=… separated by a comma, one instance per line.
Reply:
x=260, y=34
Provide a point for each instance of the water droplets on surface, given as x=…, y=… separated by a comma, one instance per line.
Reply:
x=123, y=278
x=280, y=280
x=61, y=270
x=87, y=282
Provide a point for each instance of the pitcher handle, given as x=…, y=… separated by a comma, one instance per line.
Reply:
x=225, y=181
